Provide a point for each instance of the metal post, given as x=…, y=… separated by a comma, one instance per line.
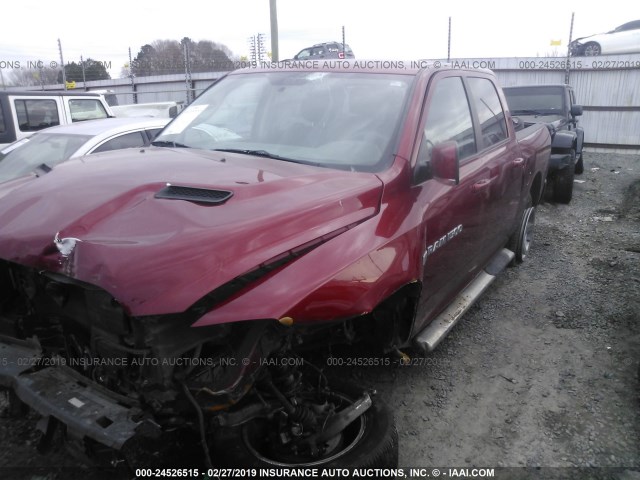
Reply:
x=273, y=12
x=449, y=42
x=343, y=44
x=64, y=75
x=567, y=69
x=187, y=71
x=84, y=78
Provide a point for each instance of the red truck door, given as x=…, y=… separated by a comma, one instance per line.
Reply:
x=500, y=153
x=454, y=216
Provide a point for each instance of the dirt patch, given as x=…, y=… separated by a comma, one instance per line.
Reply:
x=541, y=372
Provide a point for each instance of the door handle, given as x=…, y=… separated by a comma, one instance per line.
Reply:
x=481, y=185
x=518, y=162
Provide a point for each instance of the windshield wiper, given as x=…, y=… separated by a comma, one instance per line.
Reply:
x=42, y=169
x=530, y=112
x=167, y=143
x=258, y=153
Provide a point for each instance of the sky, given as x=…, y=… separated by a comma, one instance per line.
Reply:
x=397, y=29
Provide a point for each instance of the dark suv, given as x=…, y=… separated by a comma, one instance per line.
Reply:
x=325, y=50
x=556, y=106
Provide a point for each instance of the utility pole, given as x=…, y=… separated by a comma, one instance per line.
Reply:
x=273, y=12
x=41, y=73
x=64, y=75
x=256, y=49
x=449, y=42
x=133, y=83
x=343, y=44
x=567, y=69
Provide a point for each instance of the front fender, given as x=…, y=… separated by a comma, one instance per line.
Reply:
x=563, y=140
x=334, y=281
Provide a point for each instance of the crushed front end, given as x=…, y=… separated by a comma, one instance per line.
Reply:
x=71, y=352
x=143, y=390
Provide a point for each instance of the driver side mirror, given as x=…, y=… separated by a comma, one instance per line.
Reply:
x=576, y=110
x=445, y=162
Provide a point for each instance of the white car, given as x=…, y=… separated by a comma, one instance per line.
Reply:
x=623, y=39
x=43, y=150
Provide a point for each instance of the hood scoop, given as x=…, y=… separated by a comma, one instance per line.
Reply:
x=195, y=195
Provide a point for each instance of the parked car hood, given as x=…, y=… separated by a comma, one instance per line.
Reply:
x=98, y=220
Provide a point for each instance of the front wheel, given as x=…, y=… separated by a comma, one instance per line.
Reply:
x=563, y=185
x=521, y=240
x=563, y=181
x=580, y=165
x=369, y=441
x=592, y=49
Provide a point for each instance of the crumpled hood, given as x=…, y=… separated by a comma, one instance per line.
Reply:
x=159, y=255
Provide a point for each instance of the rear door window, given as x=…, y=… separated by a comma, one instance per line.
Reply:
x=86, y=109
x=36, y=114
x=493, y=126
x=448, y=119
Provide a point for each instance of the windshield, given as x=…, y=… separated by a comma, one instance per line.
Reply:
x=47, y=149
x=336, y=120
x=535, y=100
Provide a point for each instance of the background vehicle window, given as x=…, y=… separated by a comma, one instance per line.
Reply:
x=34, y=115
x=42, y=148
x=2, y=126
x=153, y=133
x=628, y=26
x=303, y=53
x=128, y=140
x=535, y=101
x=493, y=126
x=448, y=119
x=86, y=109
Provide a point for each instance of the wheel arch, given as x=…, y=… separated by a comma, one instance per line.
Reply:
x=536, y=189
x=393, y=318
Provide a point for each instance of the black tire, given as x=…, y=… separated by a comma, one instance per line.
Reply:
x=520, y=241
x=563, y=182
x=592, y=49
x=375, y=445
x=580, y=166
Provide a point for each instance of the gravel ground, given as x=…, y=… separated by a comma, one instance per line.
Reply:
x=541, y=372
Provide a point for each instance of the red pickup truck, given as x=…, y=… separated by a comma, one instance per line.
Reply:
x=157, y=298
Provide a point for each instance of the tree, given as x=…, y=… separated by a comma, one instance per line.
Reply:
x=33, y=77
x=163, y=57
x=93, y=70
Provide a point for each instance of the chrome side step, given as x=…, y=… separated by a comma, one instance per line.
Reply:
x=429, y=338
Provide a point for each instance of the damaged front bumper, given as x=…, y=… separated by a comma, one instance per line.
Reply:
x=560, y=161
x=86, y=408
